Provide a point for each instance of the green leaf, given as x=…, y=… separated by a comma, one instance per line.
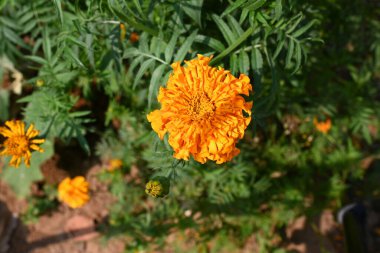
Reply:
x=225, y=30
x=256, y=59
x=289, y=55
x=228, y=50
x=234, y=64
x=130, y=20
x=12, y=36
x=279, y=47
x=37, y=59
x=138, y=7
x=193, y=8
x=233, y=7
x=244, y=62
x=303, y=29
x=211, y=42
x=46, y=44
x=254, y=5
x=142, y=71
x=294, y=26
x=238, y=31
x=155, y=82
x=278, y=9
x=58, y=7
x=298, y=52
x=75, y=58
x=184, y=49
x=170, y=48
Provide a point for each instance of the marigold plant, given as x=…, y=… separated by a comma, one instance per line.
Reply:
x=202, y=110
x=19, y=144
x=74, y=192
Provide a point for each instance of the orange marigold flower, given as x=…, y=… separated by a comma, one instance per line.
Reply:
x=134, y=37
x=114, y=164
x=19, y=144
x=74, y=192
x=322, y=126
x=202, y=110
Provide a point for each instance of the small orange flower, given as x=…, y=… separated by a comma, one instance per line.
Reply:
x=134, y=37
x=18, y=143
x=74, y=192
x=114, y=164
x=203, y=111
x=322, y=126
x=123, y=31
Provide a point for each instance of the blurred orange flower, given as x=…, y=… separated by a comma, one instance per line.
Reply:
x=74, y=192
x=203, y=111
x=123, y=31
x=322, y=126
x=134, y=37
x=114, y=164
x=18, y=143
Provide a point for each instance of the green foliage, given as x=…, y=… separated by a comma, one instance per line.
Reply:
x=86, y=82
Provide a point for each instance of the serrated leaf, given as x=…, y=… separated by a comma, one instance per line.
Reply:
x=46, y=44
x=303, y=29
x=238, y=31
x=37, y=59
x=142, y=70
x=138, y=6
x=279, y=47
x=193, y=9
x=254, y=5
x=243, y=16
x=289, y=54
x=75, y=58
x=58, y=7
x=233, y=7
x=236, y=43
x=211, y=42
x=278, y=9
x=294, y=26
x=155, y=82
x=298, y=57
x=184, y=49
x=224, y=29
x=12, y=36
x=234, y=65
x=169, y=51
x=256, y=59
x=244, y=62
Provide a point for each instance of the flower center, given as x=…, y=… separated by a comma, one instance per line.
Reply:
x=200, y=107
x=17, y=145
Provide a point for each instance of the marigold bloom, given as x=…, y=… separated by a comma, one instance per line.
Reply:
x=322, y=126
x=18, y=143
x=202, y=110
x=115, y=164
x=74, y=192
x=158, y=187
x=134, y=37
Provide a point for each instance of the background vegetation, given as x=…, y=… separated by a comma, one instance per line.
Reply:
x=85, y=80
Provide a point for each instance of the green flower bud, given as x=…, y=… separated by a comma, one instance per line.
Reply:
x=158, y=187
